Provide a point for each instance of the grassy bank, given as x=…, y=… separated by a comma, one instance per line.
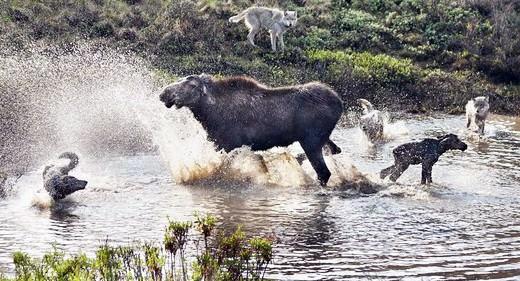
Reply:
x=416, y=55
x=219, y=256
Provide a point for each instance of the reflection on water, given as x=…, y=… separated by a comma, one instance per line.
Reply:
x=465, y=226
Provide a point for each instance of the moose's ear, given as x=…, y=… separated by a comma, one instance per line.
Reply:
x=205, y=79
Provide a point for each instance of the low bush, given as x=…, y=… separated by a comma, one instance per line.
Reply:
x=223, y=256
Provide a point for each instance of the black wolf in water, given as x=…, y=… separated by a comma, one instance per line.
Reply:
x=57, y=182
x=426, y=152
x=239, y=111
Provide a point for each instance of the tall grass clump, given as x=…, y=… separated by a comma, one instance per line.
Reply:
x=217, y=255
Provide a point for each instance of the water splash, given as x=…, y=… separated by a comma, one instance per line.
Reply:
x=98, y=102
x=82, y=99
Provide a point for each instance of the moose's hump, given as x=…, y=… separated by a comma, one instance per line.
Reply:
x=239, y=83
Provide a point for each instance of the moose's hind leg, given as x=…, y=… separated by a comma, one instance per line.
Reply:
x=314, y=151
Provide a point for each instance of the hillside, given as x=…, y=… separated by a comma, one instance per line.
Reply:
x=415, y=55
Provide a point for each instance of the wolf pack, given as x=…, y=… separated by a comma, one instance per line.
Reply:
x=239, y=111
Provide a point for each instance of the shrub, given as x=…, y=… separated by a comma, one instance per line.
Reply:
x=223, y=257
x=382, y=68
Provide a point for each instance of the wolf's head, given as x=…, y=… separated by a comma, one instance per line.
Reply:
x=481, y=105
x=290, y=18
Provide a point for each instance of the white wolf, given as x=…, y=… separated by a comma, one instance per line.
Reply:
x=477, y=110
x=274, y=20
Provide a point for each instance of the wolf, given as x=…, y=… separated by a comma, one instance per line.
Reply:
x=477, y=110
x=371, y=123
x=274, y=20
x=57, y=181
x=426, y=153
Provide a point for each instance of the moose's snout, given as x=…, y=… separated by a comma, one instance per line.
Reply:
x=166, y=99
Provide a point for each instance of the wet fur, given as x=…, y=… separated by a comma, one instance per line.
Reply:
x=477, y=110
x=239, y=111
x=426, y=153
x=371, y=122
x=57, y=182
x=274, y=20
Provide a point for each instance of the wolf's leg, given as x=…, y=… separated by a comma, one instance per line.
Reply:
x=273, y=40
x=426, y=173
x=254, y=27
x=280, y=39
x=398, y=171
x=251, y=36
x=386, y=171
x=481, y=124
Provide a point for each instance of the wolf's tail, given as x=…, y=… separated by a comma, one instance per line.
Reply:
x=73, y=157
x=238, y=17
x=367, y=106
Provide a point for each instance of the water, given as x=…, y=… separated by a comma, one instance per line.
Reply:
x=145, y=163
x=464, y=226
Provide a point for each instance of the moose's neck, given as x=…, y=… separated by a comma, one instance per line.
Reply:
x=208, y=116
x=442, y=148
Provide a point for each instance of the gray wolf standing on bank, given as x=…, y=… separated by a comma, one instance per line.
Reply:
x=57, y=182
x=426, y=152
x=477, y=110
x=239, y=111
x=274, y=20
x=371, y=123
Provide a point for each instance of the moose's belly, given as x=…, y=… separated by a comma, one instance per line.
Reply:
x=257, y=138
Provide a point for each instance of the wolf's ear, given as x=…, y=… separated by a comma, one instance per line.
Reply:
x=295, y=14
x=486, y=98
x=442, y=137
x=285, y=13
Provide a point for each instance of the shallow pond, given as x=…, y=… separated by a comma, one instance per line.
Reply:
x=465, y=226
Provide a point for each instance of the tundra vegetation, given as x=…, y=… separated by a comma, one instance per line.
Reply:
x=427, y=54
x=218, y=256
